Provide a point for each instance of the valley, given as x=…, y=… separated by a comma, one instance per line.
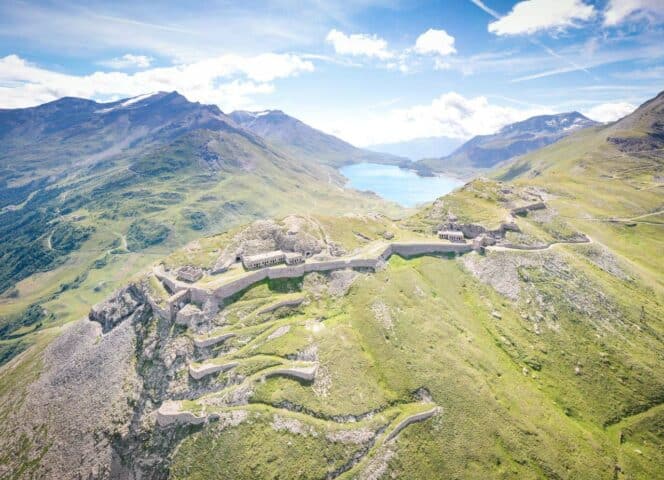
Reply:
x=511, y=328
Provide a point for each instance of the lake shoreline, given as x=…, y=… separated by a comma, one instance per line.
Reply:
x=398, y=183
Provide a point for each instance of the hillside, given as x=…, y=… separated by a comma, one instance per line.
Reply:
x=302, y=141
x=109, y=187
x=531, y=349
x=484, y=152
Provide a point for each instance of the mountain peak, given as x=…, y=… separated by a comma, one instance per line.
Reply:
x=549, y=123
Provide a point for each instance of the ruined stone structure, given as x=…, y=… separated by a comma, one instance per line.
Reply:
x=481, y=241
x=527, y=208
x=294, y=258
x=190, y=274
x=452, y=235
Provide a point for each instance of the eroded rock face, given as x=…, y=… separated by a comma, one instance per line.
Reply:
x=81, y=401
x=120, y=306
x=267, y=235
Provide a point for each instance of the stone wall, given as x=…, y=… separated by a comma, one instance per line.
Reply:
x=209, y=341
x=201, y=295
x=200, y=371
x=285, y=303
x=419, y=417
x=412, y=249
x=169, y=413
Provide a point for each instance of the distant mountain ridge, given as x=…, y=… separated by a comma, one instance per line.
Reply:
x=304, y=141
x=150, y=170
x=485, y=152
x=418, y=148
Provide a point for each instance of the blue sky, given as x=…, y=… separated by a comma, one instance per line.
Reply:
x=369, y=71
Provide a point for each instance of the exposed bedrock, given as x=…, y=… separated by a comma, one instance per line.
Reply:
x=122, y=304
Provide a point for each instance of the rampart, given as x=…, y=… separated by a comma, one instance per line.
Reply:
x=199, y=371
x=405, y=249
x=170, y=413
x=209, y=341
x=419, y=417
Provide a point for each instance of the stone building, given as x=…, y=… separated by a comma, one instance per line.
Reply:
x=482, y=241
x=294, y=258
x=190, y=274
x=451, y=235
x=262, y=260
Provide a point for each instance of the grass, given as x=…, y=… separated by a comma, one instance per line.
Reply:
x=496, y=422
x=564, y=382
x=255, y=449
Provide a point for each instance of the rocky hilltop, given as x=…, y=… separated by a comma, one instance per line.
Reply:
x=511, y=329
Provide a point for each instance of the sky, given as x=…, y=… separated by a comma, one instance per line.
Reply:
x=368, y=71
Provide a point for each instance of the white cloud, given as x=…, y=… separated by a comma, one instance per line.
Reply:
x=449, y=115
x=608, y=112
x=654, y=73
x=531, y=16
x=228, y=80
x=358, y=44
x=128, y=60
x=437, y=42
x=618, y=11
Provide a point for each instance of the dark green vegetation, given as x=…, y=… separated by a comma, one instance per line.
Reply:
x=143, y=234
x=544, y=355
x=108, y=187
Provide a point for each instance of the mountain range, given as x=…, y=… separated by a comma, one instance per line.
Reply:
x=90, y=189
x=418, y=148
x=305, y=142
x=134, y=344
x=484, y=152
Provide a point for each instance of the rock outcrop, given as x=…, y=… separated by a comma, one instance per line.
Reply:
x=123, y=304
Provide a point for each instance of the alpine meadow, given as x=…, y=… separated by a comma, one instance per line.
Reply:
x=353, y=240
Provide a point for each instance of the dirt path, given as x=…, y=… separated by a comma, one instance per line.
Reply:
x=499, y=248
x=646, y=215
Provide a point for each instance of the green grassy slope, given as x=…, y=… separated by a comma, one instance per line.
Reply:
x=541, y=363
x=75, y=241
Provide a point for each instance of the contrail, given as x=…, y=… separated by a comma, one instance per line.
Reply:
x=480, y=4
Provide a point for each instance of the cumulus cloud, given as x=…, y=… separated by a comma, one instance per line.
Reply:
x=449, y=115
x=359, y=44
x=618, y=11
x=531, y=16
x=609, y=112
x=128, y=60
x=228, y=80
x=437, y=42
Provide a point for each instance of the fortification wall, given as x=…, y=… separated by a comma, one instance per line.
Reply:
x=200, y=295
x=292, y=271
x=240, y=284
x=206, y=342
x=411, y=249
x=198, y=372
x=162, y=312
x=285, y=303
x=419, y=417
x=170, y=413
x=306, y=374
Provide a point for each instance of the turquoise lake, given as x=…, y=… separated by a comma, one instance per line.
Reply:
x=397, y=184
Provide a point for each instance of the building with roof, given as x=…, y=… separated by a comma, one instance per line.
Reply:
x=262, y=260
x=189, y=274
x=452, y=236
x=294, y=258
